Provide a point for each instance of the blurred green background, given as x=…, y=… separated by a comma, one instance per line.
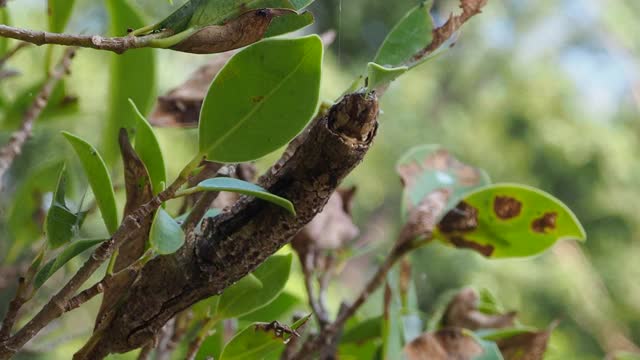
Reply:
x=539, y=92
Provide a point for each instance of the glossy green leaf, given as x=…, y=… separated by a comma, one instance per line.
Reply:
x=132, y=76
x=245, y=188
x=426, y=168
x=99, y=180
x=254, y=342
x=148, y=148
x=59, y=12
x=274, y=273
x=411, y=34
x=261, y=99
x=282, y=306
x=166, y=235
x=212, y=346
x=378, y=75
x=71, y=251
x=61, y=223
x=507, y=220
x=301, y=4
x=289, y=23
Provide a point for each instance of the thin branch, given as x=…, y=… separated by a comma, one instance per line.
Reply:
x=115, y=44
x=14, y=147
x=14, y=308
x=58, y=303
x=320, y=312
x=21, y=45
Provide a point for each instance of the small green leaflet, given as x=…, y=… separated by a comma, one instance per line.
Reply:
x=508, y=220
x=74, y=249
x=258, y=342
x=261, y=100
x=61, y=223
x=148, y=148
x=378, y=75
x=166, y=235
x=245, y=188
x=99, y=180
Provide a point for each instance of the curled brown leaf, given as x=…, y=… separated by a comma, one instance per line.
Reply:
x=463, y=312
x=445, y=344
x=244, y=30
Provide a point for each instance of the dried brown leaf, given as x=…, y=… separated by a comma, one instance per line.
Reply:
x=332, y=228
x=139, y=192
x=526, y=346
x=181, y=106
x=244, y=30
x=445, y=344
x=463, y=312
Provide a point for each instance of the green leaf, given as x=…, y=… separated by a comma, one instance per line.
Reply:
x=283, y=305
x=411, y=34
x=148, y=148
x=289, y=23
x=274, y=272
x=245, y=188
x=301, y=4
x=261, y=99
x=196, y=14
x=59, y=13
x=378, y=75
x=132, y=76
x=426, y=168
x=74, y=249
x=364, y=331
x=61, y=222
x=166, y=235
x=507, y=220
x=22, y=229
x=99, y=180
x=254, y=342
x=503, y=333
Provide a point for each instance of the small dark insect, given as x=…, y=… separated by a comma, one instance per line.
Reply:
x=279, y=330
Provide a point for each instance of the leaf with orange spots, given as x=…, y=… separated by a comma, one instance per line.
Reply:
x=507, y=220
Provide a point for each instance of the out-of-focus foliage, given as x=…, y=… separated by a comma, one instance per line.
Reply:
x=539, y=92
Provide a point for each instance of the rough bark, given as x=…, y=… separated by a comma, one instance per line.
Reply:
x=235, y=243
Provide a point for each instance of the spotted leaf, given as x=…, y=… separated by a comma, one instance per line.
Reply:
x=508, y=220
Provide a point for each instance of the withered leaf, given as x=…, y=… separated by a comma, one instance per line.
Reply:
x=241, y=31
x=445, y=344
x=333, y=227
x=139, y=192
x=463, y=312
x=526, y=346
x=181, y=106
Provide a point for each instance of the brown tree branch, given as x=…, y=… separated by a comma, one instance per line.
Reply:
x=236, y=242
x=13, y=148
x=115, y=44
